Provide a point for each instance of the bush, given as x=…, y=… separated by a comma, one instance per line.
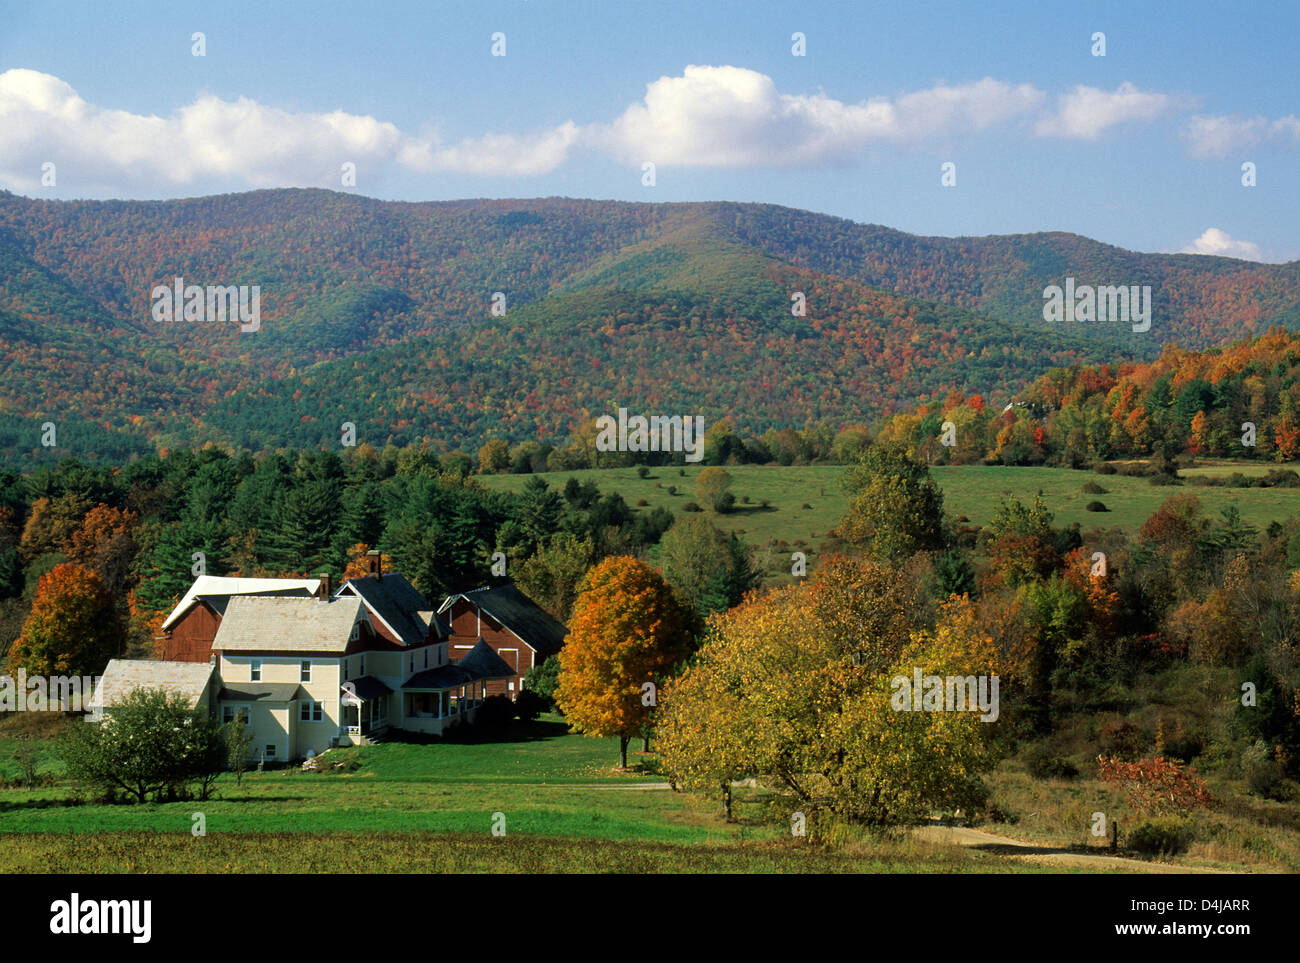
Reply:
x=641, y=503
x=26, y=760
x=1166, y=836
x=541, y=680
x=1092, y=488
x=1163, y=480
x=642, y=471
x=1156, y=786
x=1262, y=772
x=152, y=744
x=1095, y=507
x=691, y=507
x=672, y=489
x=1042, y=764
x=1104, y=468
x=495, y=712
x=529, y=705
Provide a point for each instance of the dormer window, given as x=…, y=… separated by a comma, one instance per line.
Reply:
x=356, y=632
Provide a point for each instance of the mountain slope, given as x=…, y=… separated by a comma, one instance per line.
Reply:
x=360, y=293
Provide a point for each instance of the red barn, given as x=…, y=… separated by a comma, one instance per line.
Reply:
x=516, y=628
x=190, y=628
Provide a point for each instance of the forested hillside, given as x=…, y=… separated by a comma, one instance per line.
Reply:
x=380, y=313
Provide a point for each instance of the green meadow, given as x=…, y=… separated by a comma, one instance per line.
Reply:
x=430, y=808
x=804, y=503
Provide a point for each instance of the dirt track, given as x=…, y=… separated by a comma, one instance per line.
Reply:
x=1046, y=855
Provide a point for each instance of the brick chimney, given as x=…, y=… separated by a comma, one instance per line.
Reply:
x=326, y=587
x=373, y=565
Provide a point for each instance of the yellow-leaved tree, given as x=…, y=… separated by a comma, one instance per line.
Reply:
x=627, y=629
x=799, y=688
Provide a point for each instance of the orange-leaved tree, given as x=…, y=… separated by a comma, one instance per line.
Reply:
x=74, y=627
x=358, y=566
x=627, y=628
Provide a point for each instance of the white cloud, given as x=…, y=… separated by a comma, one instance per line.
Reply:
x=709, y=116
x=1085, y=113
x=44, y=119
x=1225, y=134
x=734, y=117
x=500, y=155
x=1215, y=241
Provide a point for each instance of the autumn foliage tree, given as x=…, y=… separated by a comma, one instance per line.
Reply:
x=796, y=687
x=74, y=627
x=627, y=628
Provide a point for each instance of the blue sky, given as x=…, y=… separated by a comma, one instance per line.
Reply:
x=1141, y=148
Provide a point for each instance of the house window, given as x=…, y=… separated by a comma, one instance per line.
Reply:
x=426, y=658
x=356, y=632
x=305, y=675
x=270, y=750
x=363, y=665
x=255, y=670
x=345, y=670
x=311, y=711
x=412, y=661
x=229, y=713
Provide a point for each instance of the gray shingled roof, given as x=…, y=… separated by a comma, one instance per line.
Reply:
x=517, y=612
x=259, y=623
x=263, y=692
x=481, y=663
x=368, y=688
x=123, y=676
x=397, y=603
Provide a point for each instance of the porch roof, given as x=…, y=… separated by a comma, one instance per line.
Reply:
x=262, y=692
x=368, y=688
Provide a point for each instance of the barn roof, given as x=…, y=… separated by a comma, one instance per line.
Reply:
x=397, y=604
x=216, y=589
x=123, y=676
x=481, y=663
x=518, y=613
x=259, y=623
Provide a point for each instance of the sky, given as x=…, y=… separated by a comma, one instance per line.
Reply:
x=1143, y=147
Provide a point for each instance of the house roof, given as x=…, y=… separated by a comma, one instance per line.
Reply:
x=368, y=687
x=517, y=612
x=481, y=663
x=262, y=692
x=214, y=589
x=122, y=676
x=397, y=604
x=260, y=623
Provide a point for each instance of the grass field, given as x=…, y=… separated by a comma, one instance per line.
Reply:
x=806, y=502
x=429, y=808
